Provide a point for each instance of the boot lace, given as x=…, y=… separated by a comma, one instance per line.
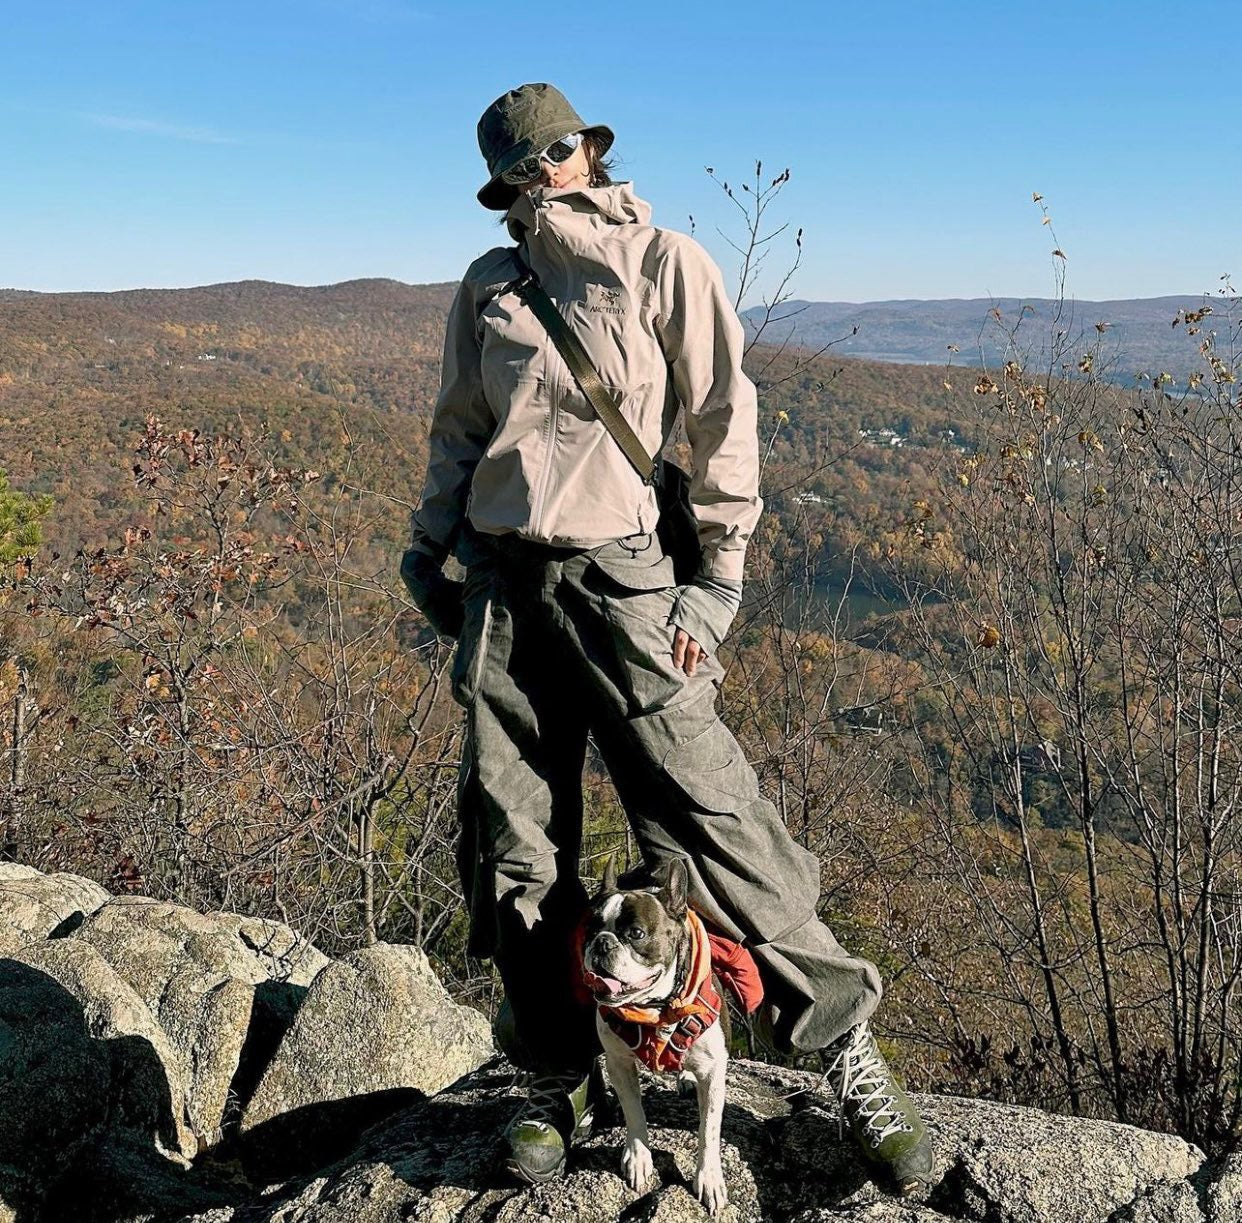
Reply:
x=547, y=1096
x=860, y=1077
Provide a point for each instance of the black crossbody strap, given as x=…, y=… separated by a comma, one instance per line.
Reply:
x=528, y=288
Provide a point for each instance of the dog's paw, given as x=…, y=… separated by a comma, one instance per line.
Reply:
x=637, y=1166
x=709, y=1187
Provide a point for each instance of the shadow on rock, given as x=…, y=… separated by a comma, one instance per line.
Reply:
x=314, y=1135
x=71, y=1088
x=126, y=1178
x=276, y=1005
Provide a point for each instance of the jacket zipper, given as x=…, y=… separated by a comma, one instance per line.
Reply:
x=562, y=267
x=538, y=510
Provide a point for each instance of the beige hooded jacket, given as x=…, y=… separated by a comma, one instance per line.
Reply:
x=516, y=446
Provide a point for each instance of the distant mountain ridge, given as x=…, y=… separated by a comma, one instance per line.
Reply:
x=1138, y=335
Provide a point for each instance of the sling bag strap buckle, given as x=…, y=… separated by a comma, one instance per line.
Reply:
x=521, y=285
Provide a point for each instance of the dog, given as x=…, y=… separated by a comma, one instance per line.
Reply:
x=648, y=961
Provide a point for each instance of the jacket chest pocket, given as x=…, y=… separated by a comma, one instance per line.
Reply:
x=573, y=401
x=513, y=351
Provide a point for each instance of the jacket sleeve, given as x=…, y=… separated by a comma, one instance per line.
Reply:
x=702, y=340
x=461, y=427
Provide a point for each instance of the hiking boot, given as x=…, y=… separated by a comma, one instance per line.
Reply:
x=882, y=1118
x=558, y=1112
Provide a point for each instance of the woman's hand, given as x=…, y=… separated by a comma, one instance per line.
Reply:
x=686, y=651
x=701, y=614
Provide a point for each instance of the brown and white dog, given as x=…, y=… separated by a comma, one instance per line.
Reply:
x=648, y=960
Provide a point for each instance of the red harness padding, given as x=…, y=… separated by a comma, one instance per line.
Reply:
x=660, y=1037
x=737, y=970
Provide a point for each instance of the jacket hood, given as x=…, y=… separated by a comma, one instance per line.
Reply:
x=616, y=204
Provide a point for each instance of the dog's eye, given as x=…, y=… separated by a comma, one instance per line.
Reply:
x=637, y=934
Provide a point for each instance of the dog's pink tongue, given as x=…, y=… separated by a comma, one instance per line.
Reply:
x=611, y=985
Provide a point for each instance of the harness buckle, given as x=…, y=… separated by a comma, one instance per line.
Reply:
x=687, y=1032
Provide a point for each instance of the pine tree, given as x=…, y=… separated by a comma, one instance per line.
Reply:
x=21, y=521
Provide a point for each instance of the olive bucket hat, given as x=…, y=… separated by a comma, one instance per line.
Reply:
x=521, y=122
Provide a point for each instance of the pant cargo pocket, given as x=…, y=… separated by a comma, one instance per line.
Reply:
x=713, y=771
x=470, y=657
x=763, y=881
x=635, y=565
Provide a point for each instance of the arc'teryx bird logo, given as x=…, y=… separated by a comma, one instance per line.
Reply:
x=605, y=299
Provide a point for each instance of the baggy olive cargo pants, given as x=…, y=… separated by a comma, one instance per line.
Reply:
x=557, y=642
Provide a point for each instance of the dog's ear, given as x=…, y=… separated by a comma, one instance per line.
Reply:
x=610, y=876
x=676, y=884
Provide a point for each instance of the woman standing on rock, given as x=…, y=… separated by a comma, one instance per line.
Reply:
x=571, y=615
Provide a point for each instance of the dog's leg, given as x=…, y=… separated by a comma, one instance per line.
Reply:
x=707, y=1061
x=623, y=1074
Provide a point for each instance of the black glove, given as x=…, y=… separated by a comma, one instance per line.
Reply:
x=437, y=597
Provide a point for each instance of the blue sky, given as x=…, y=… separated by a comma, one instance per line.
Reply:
x=162, y=143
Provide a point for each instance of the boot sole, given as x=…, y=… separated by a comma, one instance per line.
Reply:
x=916, y=1180
x=530, y=1176
x=902, y=1186
x=911, y=1187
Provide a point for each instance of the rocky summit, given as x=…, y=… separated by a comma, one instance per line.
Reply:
x=161, y=1065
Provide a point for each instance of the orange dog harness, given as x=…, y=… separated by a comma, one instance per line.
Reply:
x=660, y=1037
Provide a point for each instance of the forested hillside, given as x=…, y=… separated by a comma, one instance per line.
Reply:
x=79, y=374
